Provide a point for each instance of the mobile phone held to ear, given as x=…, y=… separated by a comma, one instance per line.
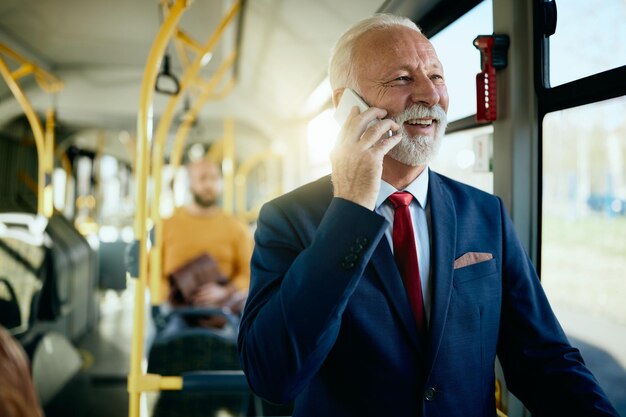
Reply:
x=348, y=100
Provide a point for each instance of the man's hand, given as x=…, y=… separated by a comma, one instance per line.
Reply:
x=212, y=295
x=357, y=159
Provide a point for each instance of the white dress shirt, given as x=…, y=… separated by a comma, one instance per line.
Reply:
x=419, y=216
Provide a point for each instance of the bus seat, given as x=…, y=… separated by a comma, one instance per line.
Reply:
x=21, y=285
x=49, y=301
x=75, y=273
x=10, y=317
x=197, y=349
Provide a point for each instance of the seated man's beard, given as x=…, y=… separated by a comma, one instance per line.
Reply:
x=204, y=202
x=418, y=150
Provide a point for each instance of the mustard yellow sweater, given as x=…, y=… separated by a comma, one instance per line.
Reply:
x=221, y=235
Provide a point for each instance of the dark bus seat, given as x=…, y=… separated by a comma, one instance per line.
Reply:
x=198, y=349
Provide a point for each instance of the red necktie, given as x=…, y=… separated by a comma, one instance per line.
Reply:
x=405, y=252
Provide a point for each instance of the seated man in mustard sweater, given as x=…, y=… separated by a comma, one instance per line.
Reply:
x=203, y=227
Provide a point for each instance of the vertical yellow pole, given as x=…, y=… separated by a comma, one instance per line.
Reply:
x=143, y=151
x=192, y=113
x=228, y=165
x=156, y=256
x=48, y=164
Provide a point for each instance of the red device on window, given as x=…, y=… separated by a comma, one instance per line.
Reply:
x=493, y=50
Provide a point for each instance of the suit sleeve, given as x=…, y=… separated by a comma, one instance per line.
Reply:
x=299, y=291
x=540, y=366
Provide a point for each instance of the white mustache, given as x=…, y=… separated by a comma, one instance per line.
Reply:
x=419, y=111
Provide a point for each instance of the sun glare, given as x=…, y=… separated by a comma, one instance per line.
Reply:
x=321, y=134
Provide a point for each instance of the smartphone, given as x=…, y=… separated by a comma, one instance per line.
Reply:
x=348, y=100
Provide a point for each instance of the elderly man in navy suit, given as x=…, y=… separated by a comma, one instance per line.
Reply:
x=387, y=289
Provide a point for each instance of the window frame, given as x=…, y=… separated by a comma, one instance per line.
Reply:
x=591, y=89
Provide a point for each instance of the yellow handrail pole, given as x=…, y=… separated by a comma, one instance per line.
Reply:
x=216, y=153
x=224, y=91
x=241, y=178
x=48, y=82
x=159, y=145
x=35, y=125
x=188, y=41
x=189, y=76
x=181, y=51
x=137, y=381
x=228, y=165
x=48, y=166
x=192, y=113
x=23, y=71
x=177, y=154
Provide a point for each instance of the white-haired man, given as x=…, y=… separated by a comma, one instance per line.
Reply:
x=387, y=289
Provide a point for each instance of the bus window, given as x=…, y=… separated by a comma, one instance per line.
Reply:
x=583, y=249
x=461, y=60
x=466, y=156
x=580, y=47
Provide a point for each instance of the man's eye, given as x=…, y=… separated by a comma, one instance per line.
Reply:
x=436, y=77
x=403, y=78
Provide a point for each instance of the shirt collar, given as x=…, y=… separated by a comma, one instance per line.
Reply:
x=418, y=188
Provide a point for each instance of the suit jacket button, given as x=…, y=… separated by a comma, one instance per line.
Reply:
x=351, y=257
x=356, y=248
x=429, y=394
x=347, y=265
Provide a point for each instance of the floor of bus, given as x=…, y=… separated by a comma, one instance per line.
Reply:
x=99, y=389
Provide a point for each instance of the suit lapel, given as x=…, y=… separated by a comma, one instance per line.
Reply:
x=385, y=266
x=443, y=244
x=443, y=219
x=388, y=273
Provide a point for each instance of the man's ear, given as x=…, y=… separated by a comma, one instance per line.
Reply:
x=337, y=96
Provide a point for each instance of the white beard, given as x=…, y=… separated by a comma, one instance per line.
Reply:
x=419, y=150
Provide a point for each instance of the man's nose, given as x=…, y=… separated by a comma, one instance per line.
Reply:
x=424, y=91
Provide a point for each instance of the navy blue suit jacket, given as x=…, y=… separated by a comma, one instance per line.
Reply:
x=328, y=323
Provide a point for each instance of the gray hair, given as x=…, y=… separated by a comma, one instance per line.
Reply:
x=340, y=71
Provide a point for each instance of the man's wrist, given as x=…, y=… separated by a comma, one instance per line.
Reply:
x=368, y=203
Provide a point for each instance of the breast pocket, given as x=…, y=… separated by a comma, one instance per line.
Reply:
x=473, y=272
